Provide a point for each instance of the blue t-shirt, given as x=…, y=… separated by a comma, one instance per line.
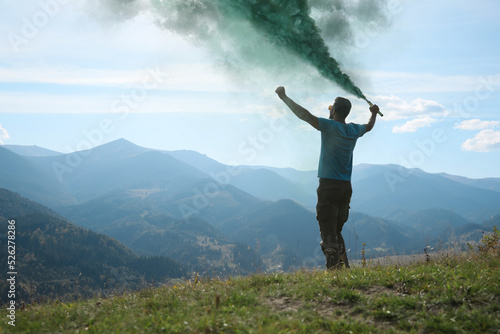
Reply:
x=337, y=144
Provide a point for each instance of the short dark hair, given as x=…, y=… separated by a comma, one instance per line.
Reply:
x=342, y=106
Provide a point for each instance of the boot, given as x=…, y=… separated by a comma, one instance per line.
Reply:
x=332, y=259
x=343, y=260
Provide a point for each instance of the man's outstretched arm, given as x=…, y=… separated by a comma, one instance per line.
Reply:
x=371, y=123
x=298, y=110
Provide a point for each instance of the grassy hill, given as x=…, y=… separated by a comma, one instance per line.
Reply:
x=446, y=294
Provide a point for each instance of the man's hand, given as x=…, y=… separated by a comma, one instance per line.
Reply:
x=281, y=92
x=374, y=109
x=371, y=123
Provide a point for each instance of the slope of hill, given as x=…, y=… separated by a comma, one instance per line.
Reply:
x=436, y=221
x=13, y=205
x=269, y=185
x=382, y=237
x=142, y=221
x=206, y=200
x=20, y=174
x=57, y=259
x=305, y=179
x=283, y=232
x=194, y=243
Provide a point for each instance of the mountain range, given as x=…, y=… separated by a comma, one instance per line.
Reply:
x=220, y=219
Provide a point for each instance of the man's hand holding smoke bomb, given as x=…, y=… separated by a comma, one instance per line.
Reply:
x=374, y=109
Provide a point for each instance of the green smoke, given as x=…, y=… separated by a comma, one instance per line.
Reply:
x=255, y=33
x=288, y=24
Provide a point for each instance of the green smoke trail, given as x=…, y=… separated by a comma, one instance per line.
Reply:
x=287, y=23
x=223, y=26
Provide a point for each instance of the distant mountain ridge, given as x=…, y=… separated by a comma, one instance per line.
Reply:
x=486, y=183
x=390, y=189
x=31, y=151
x=142, y=196
x=379, y=190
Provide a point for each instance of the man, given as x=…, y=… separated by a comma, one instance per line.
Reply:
x=335, y=168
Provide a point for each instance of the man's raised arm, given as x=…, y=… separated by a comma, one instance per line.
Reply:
x=374, y=109
x=298, y=110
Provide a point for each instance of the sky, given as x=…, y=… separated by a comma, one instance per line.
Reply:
x=174, y=75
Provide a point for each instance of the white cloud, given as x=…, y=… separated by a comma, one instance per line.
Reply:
x=3, y=134
x=485, y=141
x=476, y=124
x=414, y=125
x=395, y=108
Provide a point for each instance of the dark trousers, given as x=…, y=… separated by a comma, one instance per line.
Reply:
x=332, y=211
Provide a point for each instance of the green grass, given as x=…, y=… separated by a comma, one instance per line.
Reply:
x=452, y=294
